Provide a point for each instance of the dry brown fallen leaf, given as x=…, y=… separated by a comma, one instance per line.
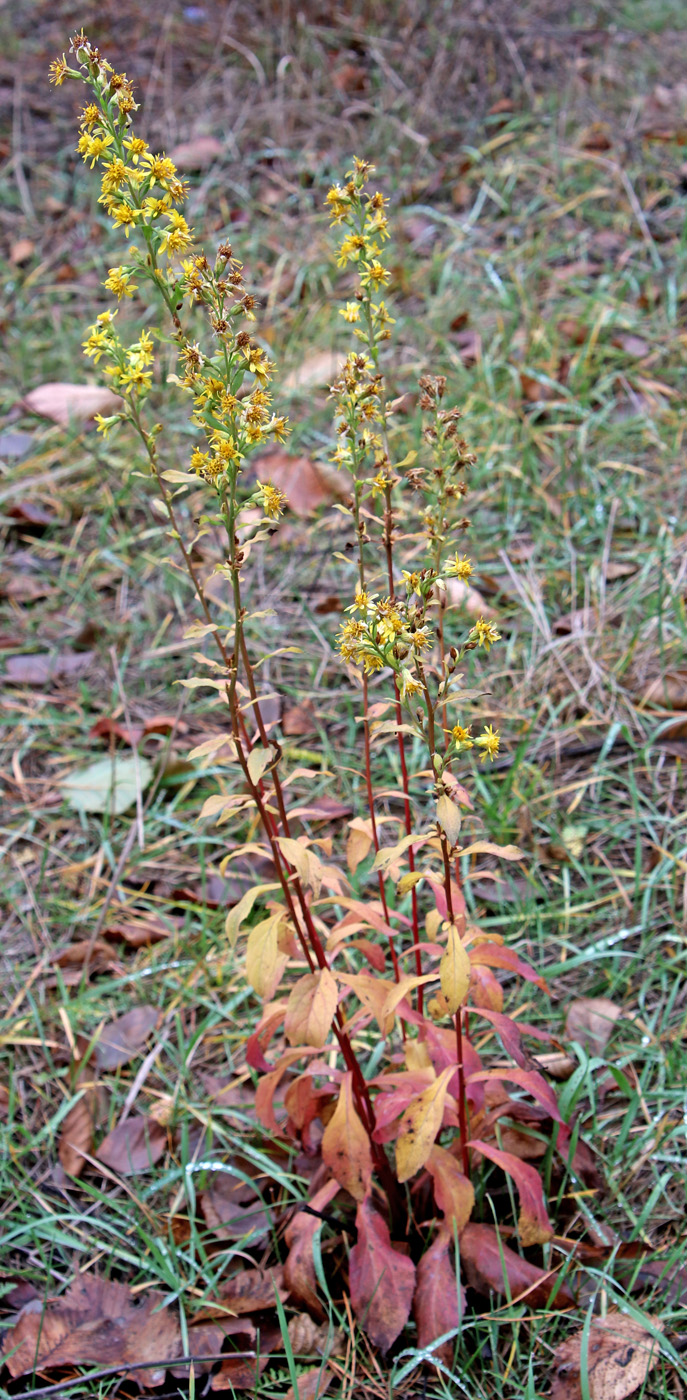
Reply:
x=42, y=667
x=65, y=403
x=205, y=1341
x=307, y=485
x=311, y=1384
x=299, y=719
x=133, y=1146
x=125, y=1037
x=309, y=1339
x=239, y=1373
x=196, y=154
x=233, y=1210
x=632, y=345
x=669, y=691
x=21, y=251
x=315, y=371
x=142, y=928
x=620, y=1355
x=461, y=595
x=96, y=1322
x=250, y=1290
x=590, y=1021
x=76, y=1137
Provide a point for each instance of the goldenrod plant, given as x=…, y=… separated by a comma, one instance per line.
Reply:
x=372, y=996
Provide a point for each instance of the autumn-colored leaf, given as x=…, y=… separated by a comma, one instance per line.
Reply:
x=250, y=1290
x=133, y=1146
x=668, y=692
x=43, y=667
x=455, y=970
x=317, y=369
x=108, y=728
x=453, y=1191
x=461, y=595
x=439, y=1301
x=310, y=1010
x=620, y=1355
x=449, y=818
x=112, y=784
x=590, y=1021
x=22, y=251
x=239, y=1373
x=265, y=960
x=311, y=1384
x=632, y=345
x=490, y=1265
x=233, y=1209
x=140, y=929
x=95, y=1322
x=307, y=485
x=30, y=513
x=125, y=1037
x=382, y=1280
x=196, y=154
x=66, y=403
x=299, y=1268
x=534, y=1226
x=76, y=1137
x=419, y=1126
x=299, y=719
x=346, y=1146
x=206, y=1339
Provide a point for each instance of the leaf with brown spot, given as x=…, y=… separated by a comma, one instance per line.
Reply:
x=250, y=1290
x=382, y=1280
x=620, y=1355
x=125, y=1037
x=67, y=403
x=419, y=1126
x=76, y=1137
x=95, y=1322
x=485, y=1259
x=590, y=1021
x=439, y=1301
x=346, y=1146
x=299, y=1268
x=133, y=1146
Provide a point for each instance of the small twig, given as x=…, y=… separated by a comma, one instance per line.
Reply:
x=167, y=1361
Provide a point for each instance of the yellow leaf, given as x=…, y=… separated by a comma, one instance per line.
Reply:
x=420, y=1124
x=489, y=848
x=212, y=746
x=236, y=916
x=346, y=1146
x=409, y=881
x=399, y=990
x=389, y=854
x=265, y=961
x=454, y=971
x=453, y=1192
x=358, y=843
x=185, y=478
x=448, y=817
x=372, y=992
x=258, y=760
x=310, y=1009
x=307, y=865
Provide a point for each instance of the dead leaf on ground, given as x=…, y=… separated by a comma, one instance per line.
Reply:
x=96, y=1322
x=314, y=371
x=111, y=784
x=140, y=930
x=108, y=728
x=196, y=154
x=461, y=595
x=76, y=1137
x=350, y=77
x=579, y=620
x=299, y=1268
x=22, y=251
x=252, y=1289
x=299, y=719
x=590, y=1021
x=669, y=691
x=490, y=1266
x=4, y=1101
x=311, y=1384
x=469, y=346
x=133, y=1146
x=205, y=1340
x=620, y=1354
x=575, y=331
x=66, y=403
x=632, y=345
x=307, y=485
x=239, y=1373
x=233, y=1209
x=42, y=667
x=125, y=1037
x=31, y=513
x=382, y=1279
x=309, y=1339
x=620, y=568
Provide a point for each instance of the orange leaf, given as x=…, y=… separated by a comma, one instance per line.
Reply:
x=455, y=970
x=346, y=1146
x=439, y=1301
x=453, y=1192
x=534, y=1225
x=382, y=1280
x=620, y=1354
x=299, y=1268
x=311, y=1008
x=419, y=1126
x=490, y=1265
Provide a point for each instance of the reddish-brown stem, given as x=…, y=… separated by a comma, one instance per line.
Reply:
x=373, y=824
x=462, y=1110
x=407, y=813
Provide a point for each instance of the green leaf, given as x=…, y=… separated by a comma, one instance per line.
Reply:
x=110, y=785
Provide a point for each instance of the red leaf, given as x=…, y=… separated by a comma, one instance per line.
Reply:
x=511, y=1032
x=382, y=1280
x=491, y=1266
x=439, y=1300
x=133, y=1146
x=534, y=1225
x=530, y=1080
x=299, y=1269
x=106, y=728
x=496, y=955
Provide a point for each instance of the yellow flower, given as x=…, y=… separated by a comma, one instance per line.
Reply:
x=412, y=582
x=460, y=735
x=458, y=568
x=124, y=216
x=119, y=282
x=161, y=168
x=178, y=237
x=485, y=634
x=338, y=202
x=421, y=638
x=351, y=311
x=410, y=685
x=105, y=424
x=90, y=115
x=271, y=499
x=58, y=71
x=489, y=741
x=135, y=376
x=92, y=147
x=389, y=627
x=374, y=273
x=136, y=147
x=352, y=246
x=361, y=602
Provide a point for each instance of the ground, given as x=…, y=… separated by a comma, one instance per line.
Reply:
x=533, y=159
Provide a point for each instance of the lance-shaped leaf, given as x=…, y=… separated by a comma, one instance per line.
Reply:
x=453, y=1191
x=257, y=762
x=311, y=1008
x=265, y=960
x=529, y=1079
x=454, y=971
x=489, y=1265
x=534, y=1225
x=299, y=1268
x=488, y=848
x=372, y=992
x=493, y=955
x=389, y=854
x=382, y=1281
x=236, y=916
x=448, y=817
x=419, y=1126
x=307, y=864
x=439, y=1301
x=346, y=1145
x=399, y=990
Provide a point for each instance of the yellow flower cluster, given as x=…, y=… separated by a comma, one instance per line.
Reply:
x=130, y=367
x=387, y=632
